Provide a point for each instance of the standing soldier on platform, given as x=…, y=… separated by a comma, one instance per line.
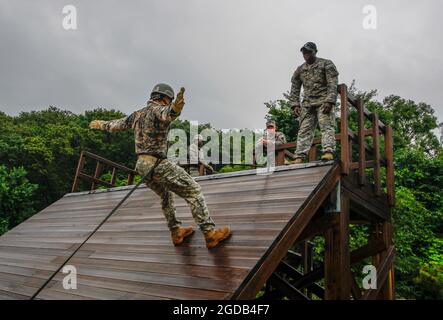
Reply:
x=319, y=78
x=151, y=127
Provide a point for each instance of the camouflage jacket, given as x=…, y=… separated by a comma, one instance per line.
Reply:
x=319, y=82
x=280, y=138
x=151, y=128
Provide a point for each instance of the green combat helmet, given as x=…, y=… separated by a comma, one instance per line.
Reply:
x=163, y=88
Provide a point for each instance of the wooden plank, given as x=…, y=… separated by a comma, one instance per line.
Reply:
x=377, y=157
x=286, y=288
x=278, y=250
x=344, y=141
x=337, y=256
x=81, y=164
x=132, y=256
x=389, y=154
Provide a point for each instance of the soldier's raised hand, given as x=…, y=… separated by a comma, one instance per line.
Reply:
x=179, y=102
x=96, y=124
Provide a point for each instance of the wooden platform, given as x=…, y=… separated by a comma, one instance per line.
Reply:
x=131, y=256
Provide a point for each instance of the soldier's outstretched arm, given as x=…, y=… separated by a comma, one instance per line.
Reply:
x=114, y=125
x=332, y=80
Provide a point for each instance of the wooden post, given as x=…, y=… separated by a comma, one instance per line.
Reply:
x=313, y=153
x=389, y=154
x=280, y=159
x=344, y=139
x=114, y=176
x=81, y=164
x=377, y=159
x=337, y=256
x=307, y=260
x=130, y=179
x=98, y=172
x=361, y=144
x=201, y=170
x=382, y=231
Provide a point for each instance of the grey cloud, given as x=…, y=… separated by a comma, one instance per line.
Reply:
x=231, y=55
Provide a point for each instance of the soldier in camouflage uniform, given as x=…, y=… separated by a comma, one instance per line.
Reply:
x=270, y=135
x=151, y=126
x=319, y=78
x=271, y=128
x=196, y=154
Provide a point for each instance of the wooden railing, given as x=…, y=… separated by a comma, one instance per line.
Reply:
x=348, y=139
x=101, y=164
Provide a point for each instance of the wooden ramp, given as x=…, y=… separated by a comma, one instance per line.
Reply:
x=131, y=256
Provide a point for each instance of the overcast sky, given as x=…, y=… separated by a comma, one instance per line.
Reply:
x=231, y=55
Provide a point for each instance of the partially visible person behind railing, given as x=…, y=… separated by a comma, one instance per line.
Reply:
x=270, y=135
x=197, y=157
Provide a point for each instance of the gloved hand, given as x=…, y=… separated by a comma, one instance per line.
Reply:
x=96, y=124
x=179, y=102
x=327, y=107
x=297, y=109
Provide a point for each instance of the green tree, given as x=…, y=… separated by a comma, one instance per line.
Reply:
x=16, y=195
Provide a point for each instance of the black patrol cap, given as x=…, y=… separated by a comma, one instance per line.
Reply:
x=310, y=46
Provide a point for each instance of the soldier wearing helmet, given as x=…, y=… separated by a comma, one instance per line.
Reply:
x=151, y=126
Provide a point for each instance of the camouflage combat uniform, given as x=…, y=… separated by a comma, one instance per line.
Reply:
x=279, y=138
x=319, y=82
x=151, y=128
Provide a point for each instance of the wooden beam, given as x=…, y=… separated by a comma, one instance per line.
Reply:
x=389, y=154
x=288, y=237
x=383, y=271
x=361, y=144
x=296, y=275
x=91, y=179
x=313, y=153
x=345, y=161
x=377, y=158
x=355, y=289
x=317, y=227
x=286, y=288
x=81, y=164
x=280, y=159
x=97, y=173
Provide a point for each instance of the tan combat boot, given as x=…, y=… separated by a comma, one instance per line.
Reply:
x=297, y=161
x=179, y=234
x=215, y=236
x=327, y=156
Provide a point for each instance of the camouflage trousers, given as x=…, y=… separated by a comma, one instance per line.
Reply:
x=169, y=178
x=309, y=117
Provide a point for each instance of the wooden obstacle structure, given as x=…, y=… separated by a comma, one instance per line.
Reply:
x=273, y=217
